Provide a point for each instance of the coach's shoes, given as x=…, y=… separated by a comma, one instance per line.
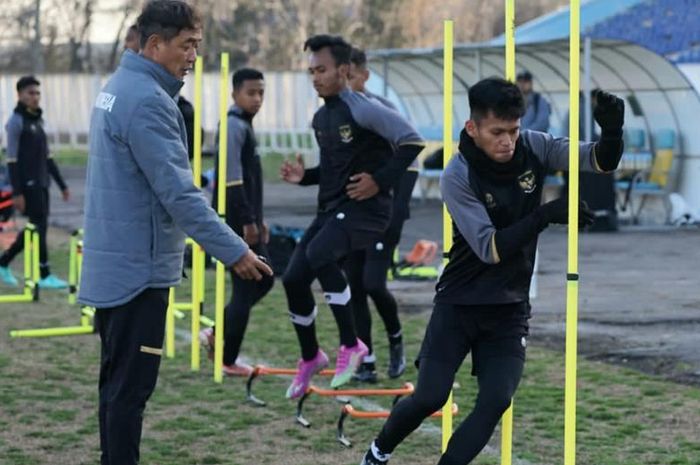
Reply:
x=7, y=277
x=52, y=282
x=306, y=371
x=366, y=373
x=397, y=360
x=349, y=358
x=374, y=457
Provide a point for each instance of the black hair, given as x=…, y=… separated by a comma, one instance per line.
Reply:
x=167, y=18
x=358, y=57
x=339, y=48
x=524, y=76
x=26, y=81
x=245, y=74
x=498, y=96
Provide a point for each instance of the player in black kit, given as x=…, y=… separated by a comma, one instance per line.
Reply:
x=492, y=189
x=364, y=148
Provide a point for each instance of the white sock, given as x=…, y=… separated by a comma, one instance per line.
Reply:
x=377, y=454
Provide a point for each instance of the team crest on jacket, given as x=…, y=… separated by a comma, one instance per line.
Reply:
x=527, y=182
x=490, y=201
x=345, y=133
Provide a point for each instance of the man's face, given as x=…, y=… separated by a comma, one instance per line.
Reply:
x=249, y=96
x=178, y=54
x=357, y=77
x=328, y=79
x=30, y=96
x=525, y=86
x=131, y=41
x=495, y=136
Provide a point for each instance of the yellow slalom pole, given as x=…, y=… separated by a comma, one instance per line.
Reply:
x=170, y=326
x=35, y=263
x=572, y=268
x=73, y=268
x=510, y=40
x=197, y=272
x=507, y=419
x=447, y=144
x=221, y=207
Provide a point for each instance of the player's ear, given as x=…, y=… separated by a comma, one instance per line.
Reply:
x=470, y=127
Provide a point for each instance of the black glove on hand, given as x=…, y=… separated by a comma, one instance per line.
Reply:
x=557, y=212
x=609, y=113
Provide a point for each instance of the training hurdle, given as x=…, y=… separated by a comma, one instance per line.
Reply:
x=262, y=370
x=30, y=291
x=349, y=411
x=397, y=393
x=87, y=314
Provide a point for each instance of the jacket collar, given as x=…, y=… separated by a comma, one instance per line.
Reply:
x=22, y=109
x=238, y=111
x=141, y=64
x=485, y=166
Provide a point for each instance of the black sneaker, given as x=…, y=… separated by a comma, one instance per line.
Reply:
x=370, y=459
x=397, y=360
x=366, y=373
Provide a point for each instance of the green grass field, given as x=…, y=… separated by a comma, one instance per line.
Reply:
x=78, y=157
x=48, y=402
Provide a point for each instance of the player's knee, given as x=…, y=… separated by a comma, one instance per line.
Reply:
x=494, y=401
x=375, y=287
x=291, y=280
x=429, y=401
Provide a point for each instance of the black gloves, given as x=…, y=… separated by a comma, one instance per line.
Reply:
x=557, y=212
x=609, y=113
x=511, y=239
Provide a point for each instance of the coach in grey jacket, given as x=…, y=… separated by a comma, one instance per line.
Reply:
x=140, y=204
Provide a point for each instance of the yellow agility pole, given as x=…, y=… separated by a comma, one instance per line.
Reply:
x=30, y=290
x=221, y=207
x=507, y=419
x=50, y=332
x=510, y=40
x=197, y=265
x=447, y=142
x=170, y=326
x=572, y=268
x=73, y=268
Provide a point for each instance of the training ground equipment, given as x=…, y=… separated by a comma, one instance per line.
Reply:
x=416, y=266
x=197, y=271
x=262, y=370
x=87, y=314
x=406, y=390
x=31, y=269
x=349, y=411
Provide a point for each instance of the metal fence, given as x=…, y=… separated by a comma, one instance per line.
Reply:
x=283, y=124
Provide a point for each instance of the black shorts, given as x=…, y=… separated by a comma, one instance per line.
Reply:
x=484, y=330
x=364, y=222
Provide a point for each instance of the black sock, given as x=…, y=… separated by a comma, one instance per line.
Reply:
x=44, y=270
x=395, y=339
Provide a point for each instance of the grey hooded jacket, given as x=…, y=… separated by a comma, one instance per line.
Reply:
x=140, y=200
